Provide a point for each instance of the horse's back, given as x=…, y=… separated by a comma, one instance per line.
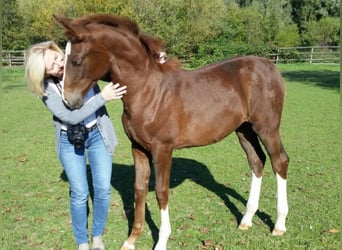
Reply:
x=251, y=77
x=245, y=80
x=237, y=90
x=246, y=72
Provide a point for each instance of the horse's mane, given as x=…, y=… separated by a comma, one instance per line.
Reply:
x=153, y=45
x=110, y=20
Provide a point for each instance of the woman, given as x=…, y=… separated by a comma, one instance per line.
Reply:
x=44, y=71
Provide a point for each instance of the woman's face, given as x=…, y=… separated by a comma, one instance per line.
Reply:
x=54, y=63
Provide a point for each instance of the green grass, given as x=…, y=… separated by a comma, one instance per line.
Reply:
x=209, y=185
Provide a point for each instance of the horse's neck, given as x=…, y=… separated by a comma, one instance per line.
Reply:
x=141, y=88
x=137, y=73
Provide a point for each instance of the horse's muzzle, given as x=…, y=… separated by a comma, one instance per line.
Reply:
x=74, y=101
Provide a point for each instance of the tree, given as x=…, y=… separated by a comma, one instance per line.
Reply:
x=277, y=16
x=39, y=24
x=304, y=11
x=254, y=23
x=323, y=32
x=288, y=36
x=183, y=25
x=12, y=36
x=188, y=27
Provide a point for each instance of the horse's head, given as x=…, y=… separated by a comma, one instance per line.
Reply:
x=110, y=48
x=85, y=63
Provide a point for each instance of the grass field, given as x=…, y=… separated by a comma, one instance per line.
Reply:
x=209, y=185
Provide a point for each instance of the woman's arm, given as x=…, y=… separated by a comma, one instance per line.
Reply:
x=55, y=104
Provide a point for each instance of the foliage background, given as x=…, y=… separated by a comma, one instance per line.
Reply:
x=199, y=30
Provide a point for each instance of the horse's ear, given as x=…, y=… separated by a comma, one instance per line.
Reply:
x=62, y=19
x=72, y=31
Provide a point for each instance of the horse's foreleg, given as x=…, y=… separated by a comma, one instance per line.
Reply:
x=252, y=204
x=142, y=175
x=162, y=164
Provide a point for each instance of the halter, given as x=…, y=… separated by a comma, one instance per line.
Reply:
x=67, y=53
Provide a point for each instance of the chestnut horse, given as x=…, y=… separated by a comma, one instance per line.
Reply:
x=167, y=108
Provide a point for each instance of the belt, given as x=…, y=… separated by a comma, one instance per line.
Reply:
x=88, y=129
x=92, y=128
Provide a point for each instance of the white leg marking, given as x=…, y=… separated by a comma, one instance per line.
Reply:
x=282, y=206
x=165, y=229
x=253, y=202
x=128, y=246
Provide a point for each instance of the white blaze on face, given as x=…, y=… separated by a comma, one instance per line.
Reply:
x=67, y=53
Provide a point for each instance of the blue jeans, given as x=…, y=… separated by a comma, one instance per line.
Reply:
x=74, y=163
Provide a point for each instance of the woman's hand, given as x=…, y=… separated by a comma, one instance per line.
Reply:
x=113, y=91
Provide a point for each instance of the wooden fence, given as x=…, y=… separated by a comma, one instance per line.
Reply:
x=13, y=57
x=314, y=54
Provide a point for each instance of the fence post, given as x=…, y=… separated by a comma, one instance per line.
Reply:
x=311, y=54
x=9, y=59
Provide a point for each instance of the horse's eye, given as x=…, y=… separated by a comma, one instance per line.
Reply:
x=76, y=63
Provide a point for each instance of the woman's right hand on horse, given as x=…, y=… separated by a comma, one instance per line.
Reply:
x=113, y=91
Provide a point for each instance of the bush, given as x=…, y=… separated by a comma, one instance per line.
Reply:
x=288, y=36
x=323, y=32
x=221, y=49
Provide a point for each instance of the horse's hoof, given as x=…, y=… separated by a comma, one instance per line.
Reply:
x=127, y=246
x=244, y=226
x=278, y=232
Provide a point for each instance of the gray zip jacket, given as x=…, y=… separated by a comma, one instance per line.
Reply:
x=63, y=115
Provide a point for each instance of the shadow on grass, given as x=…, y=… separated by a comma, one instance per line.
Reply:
x=327, y=79
x=15, y=86
x=182, y=169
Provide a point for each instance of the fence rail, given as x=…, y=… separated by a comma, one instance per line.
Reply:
x=313, y=54
x=13, y=57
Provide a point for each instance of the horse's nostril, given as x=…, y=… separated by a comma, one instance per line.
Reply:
x=65, y=101
x=73, y=100
x=75, y=105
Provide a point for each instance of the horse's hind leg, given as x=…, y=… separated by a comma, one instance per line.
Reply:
x=162, y=157
x=256, y=158
x=280, y=161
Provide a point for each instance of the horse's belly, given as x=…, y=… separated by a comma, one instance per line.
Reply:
x=204, y=131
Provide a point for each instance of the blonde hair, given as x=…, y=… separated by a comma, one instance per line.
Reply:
x=35, y=66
